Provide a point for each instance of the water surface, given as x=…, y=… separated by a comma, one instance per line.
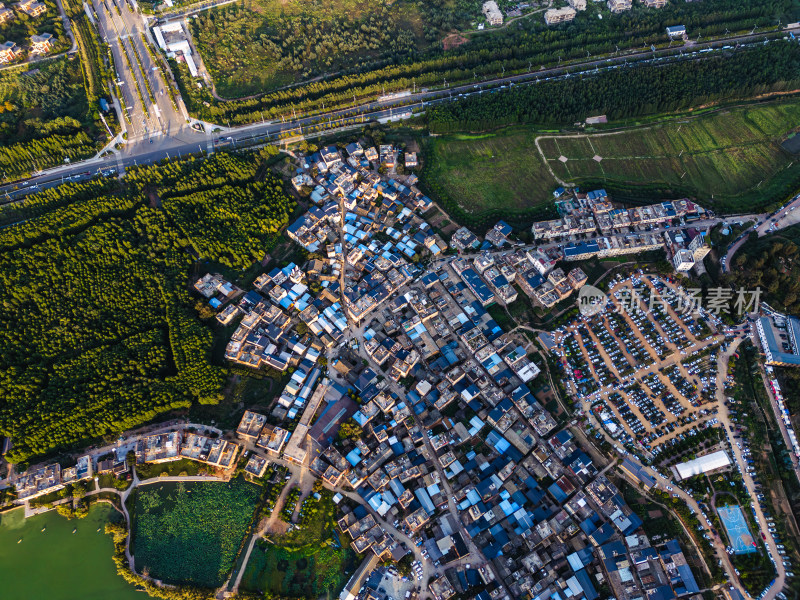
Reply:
x=56, y=564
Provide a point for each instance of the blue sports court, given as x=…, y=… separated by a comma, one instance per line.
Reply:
x=735, y=524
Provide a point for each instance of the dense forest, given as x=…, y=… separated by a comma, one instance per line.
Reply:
x=773, y=264
x=98, y=328
x=346, y=59
x=631, y=91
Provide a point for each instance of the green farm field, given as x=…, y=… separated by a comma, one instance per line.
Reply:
x=191, y=532
x=729, y=160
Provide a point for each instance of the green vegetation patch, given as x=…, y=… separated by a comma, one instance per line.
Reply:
x=334, y=53
x=191, y=532
x=734, y=156
x=20, y=29
x=308, y=562
x=49, y=108
x=98, y=331
x=771, y=263
x=490, y=172
x=272, y=43
x=44, y=118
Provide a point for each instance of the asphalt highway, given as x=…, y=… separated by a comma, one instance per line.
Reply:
x=148, y=144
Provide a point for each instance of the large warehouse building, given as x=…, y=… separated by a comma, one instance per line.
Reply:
x=703, y=464
x=780, y=340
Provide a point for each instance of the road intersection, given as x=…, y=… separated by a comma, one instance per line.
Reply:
x=157, y=130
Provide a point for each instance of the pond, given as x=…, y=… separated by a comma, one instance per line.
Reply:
x=58, y=564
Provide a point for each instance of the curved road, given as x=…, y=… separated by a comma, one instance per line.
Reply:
x=781, y=218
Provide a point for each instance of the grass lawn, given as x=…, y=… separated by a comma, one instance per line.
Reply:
x=191, y=532
x=308, y=562
x=173, y=468
x=733, y=155
x=492, y=172
x=108, y=480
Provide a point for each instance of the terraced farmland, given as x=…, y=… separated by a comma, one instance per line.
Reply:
x=731, y=160
x=729, y=155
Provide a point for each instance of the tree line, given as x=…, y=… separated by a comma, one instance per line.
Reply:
x=629, y=92
x=523, y=46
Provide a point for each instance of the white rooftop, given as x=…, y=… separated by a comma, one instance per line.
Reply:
x=703, y=464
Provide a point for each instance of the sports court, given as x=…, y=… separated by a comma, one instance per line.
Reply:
x=738, y=533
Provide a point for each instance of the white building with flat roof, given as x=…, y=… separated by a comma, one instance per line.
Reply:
x=683, y=260
x=703, y=464
x=173, y=39
x=675, y=31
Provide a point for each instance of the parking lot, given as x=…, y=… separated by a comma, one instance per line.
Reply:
x=645, y=365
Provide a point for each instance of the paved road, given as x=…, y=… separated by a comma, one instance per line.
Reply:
x=764, y=224
x=724, y=418
x=146, y=146
x=673, y=488
x=152, y=114
x=776, y=410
